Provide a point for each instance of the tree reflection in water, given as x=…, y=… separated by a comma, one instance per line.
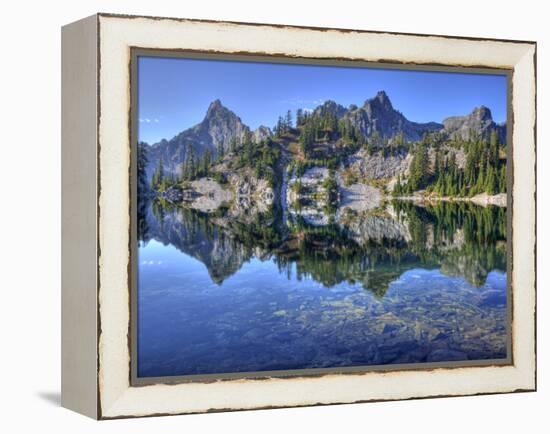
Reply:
x=370, y=248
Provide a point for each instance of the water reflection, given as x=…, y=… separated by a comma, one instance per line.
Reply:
x=403, y=283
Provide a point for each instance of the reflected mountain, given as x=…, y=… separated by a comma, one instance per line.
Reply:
x=372, y=248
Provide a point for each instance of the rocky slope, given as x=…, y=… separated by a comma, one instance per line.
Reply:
x=261, y=133
x=222, y=128
x=377, y=166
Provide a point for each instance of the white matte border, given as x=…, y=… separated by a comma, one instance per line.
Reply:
x=117, y=35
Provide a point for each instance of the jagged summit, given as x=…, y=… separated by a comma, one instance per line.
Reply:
x=214, y=107
x=482, y=113
x=220, y=126
x=217, y=110
x=378, y=116
x=382, y=99
x=478, y=121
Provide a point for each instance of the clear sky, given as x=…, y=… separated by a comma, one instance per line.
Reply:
x=174, y=93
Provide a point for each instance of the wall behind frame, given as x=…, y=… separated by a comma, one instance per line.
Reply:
x=79, y=217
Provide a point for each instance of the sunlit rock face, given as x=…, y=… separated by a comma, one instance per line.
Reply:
x=379, y=167
x=261, y=133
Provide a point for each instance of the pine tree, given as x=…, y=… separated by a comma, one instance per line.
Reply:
x=158, y=175
x=206, y=160
x=438, y=164
x=502, y=180
x=142, y=162
x=220, y=151
x=288, y=121
x=279, y=127
x=306, y=139
x=493, y=148
x=419, y=167
x=399, y=142
x=398, y=188
x=490, y=180
x=299, y=117
x=190, y=167
x=233, y=145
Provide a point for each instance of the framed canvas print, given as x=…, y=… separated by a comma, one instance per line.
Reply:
x=260, y=216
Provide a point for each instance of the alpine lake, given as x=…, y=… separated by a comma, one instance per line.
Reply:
x=402, y=283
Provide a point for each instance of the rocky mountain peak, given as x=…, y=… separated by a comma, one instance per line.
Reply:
x=380, y=102
x=482, y=113
x=383, y=98
x=219, y=127
x=216, y=108
x=215, y=104
x=377, y=115
x=479, y=121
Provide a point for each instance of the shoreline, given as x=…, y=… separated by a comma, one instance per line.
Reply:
x=482, y=199
x=210, y=194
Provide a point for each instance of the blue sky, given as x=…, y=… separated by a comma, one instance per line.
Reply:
x=174, y=93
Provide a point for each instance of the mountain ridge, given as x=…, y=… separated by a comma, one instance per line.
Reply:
x=221, y=127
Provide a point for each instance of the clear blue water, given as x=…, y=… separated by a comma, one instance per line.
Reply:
x=212, y=301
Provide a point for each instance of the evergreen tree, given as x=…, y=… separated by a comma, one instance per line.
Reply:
x=374, y=143
x=220, y=151
x=299, y=117
x=491, y=185
x=206, y=160
x=419, y=167
x=398, y=188
x=158, y=175
x=279, y=127
x=306, y=139
x=233, y=145
x=493, y=148
x=288, y=121
x=398, y=142
x=142, y=161
x=502, y=180
x=190, y=167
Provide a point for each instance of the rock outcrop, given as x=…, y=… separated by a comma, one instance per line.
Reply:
x=484, y=199
x=207, y=195
x=377, y=166
x=369, y=227
x=261, y=133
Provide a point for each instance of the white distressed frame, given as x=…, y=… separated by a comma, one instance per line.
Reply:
x=115, y=395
